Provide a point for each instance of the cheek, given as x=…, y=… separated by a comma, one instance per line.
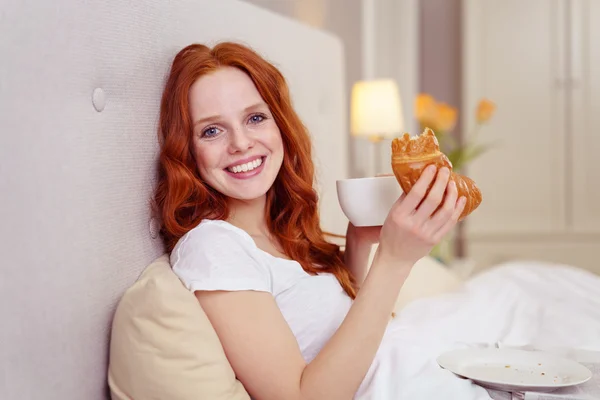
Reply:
x=205, y=158
x=276, y=141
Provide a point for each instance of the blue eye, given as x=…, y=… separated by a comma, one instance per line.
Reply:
x=256, y=118
x=209, y=132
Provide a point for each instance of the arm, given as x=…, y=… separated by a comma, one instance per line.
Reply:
x=359, y=242
x=263, y=351
x=265, y=355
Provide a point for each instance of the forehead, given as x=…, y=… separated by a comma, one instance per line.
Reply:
x=225, y=91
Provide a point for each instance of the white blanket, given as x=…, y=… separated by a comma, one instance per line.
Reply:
x=516, y=304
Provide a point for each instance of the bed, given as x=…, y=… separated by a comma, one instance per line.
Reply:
x=80, y=85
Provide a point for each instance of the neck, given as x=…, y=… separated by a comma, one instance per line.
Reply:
x=249, y=215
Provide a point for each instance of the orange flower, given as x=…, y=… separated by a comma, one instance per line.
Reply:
x=425, y=109
x=485, y=110
x=446, y=117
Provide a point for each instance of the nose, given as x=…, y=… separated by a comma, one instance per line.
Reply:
x=240, y=140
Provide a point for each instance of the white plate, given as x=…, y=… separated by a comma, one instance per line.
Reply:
x=514, y=370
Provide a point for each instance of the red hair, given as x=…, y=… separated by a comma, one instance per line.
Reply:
x=182, y=199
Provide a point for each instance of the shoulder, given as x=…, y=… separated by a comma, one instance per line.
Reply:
x=216, y=255
x=211, y=236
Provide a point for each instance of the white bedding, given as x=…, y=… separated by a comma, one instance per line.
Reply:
x=516, y=304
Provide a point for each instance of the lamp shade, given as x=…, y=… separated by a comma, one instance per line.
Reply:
x=376, y=109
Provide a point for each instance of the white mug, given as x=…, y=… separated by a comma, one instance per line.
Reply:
x=367, y=201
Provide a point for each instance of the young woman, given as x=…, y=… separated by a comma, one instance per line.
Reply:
x=298, y=319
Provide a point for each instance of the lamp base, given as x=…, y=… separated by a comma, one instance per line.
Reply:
x=375, y=138
x=375, y=153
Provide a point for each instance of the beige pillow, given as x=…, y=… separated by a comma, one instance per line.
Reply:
x=163, y=345
x=427, y=278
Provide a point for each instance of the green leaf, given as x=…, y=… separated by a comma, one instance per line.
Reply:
x=456, y=157
x=476, y=151
x=447, y=143
x=469, y=153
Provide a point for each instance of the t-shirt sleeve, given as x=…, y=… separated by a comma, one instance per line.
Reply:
x=215, y=257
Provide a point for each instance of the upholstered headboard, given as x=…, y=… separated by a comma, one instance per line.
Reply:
x=80, y=84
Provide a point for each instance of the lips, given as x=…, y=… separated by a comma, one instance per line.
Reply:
x=244, y=161
x=246, y=168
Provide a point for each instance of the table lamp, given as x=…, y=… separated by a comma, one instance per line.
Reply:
x=376, y=113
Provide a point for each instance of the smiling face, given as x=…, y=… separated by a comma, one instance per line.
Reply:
x=236, y=142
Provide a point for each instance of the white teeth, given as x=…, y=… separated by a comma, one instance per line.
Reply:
x=246, y=167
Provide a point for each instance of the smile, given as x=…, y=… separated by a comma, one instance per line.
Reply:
x=245, y=167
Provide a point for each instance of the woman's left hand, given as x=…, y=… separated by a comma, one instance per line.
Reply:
x=359, y=241
x=367, y=235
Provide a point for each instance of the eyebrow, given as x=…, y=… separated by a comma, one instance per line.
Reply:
x=214, y=117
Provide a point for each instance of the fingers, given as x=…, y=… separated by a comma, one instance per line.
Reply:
x=418, y=191
x=435, y=196
x=445, y=212
x=451, y=222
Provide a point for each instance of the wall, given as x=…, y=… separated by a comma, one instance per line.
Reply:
x=440, y=51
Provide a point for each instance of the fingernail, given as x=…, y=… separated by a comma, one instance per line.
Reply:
x=431, y=169
x=463, y=200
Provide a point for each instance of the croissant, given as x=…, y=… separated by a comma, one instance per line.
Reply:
x=411, y=155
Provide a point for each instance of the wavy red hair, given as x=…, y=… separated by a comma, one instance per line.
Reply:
x=182, y=200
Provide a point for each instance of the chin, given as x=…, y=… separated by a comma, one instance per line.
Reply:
x=247, y=198
x=250, y=192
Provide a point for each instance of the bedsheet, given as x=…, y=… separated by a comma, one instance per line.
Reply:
x=516, y=304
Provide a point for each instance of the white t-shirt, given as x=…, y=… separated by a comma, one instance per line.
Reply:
x=216, y=255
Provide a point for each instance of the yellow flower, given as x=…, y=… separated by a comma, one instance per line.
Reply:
x=425, y=109
x=446, y=117
x=485, y=110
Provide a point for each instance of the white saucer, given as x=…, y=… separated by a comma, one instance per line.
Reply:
x=514, y=370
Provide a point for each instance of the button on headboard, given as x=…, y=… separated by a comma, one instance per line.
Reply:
x=80, y=85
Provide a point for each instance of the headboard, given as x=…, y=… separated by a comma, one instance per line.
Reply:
x=80, y=84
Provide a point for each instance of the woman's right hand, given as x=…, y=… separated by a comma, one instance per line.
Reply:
x=413, y=226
